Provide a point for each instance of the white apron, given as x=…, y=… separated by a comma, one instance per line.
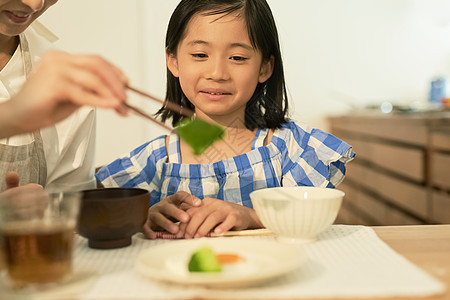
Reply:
x=27, y=160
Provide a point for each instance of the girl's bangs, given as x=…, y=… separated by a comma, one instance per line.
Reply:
x=228, y=9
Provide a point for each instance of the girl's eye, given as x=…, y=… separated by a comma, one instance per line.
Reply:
x=199, y=55
x=238, y=58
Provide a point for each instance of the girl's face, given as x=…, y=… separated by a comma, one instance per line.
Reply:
x=17, y=15
x=218, y=68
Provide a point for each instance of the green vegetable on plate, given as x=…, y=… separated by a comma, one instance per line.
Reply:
x=204, y=260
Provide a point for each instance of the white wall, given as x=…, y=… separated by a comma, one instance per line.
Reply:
x=336, y=53
x=361, y=51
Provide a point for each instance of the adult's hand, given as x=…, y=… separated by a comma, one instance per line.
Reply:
x=26, y=199
x=59, y=85
x=12, y=180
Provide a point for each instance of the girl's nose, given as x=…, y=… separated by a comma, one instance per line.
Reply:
x=217, y=70
x=35, y=5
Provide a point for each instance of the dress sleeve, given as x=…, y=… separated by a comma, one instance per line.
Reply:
x=313, y=157
x=138, y=168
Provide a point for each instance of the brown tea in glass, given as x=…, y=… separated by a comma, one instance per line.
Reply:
x=37, y=234
x=37, y=254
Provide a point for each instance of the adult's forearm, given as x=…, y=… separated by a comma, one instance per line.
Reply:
x=9, y=124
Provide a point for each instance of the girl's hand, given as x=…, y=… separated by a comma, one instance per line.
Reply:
x=164, y=214
x=220, y=216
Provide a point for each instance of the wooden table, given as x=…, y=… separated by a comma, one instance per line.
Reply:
x=427, y=246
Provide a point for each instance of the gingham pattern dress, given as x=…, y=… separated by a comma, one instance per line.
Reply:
x=297, y=155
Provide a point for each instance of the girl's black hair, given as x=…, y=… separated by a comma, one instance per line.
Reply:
x=268, y=106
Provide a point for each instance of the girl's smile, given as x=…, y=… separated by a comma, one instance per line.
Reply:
x=217, y=66
x=215, y=94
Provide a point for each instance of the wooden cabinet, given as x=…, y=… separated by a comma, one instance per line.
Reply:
x=440, y=175
x=401, y=174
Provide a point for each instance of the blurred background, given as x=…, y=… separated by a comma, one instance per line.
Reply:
x=339, y=55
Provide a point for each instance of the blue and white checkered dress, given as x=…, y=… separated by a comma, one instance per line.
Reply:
x=296, y=155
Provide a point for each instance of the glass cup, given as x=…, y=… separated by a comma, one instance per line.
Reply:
x=37, y=235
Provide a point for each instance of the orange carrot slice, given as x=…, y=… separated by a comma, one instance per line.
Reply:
x=226, y=258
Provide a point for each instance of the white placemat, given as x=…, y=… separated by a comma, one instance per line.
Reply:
x=346, y=261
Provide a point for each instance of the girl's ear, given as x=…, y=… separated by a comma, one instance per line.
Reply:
x=266, y=69
x=172, y=63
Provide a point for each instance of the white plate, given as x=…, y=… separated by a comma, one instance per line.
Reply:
x=263, y=259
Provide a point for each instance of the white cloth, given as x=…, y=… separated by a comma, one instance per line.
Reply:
x=345, y=262
x=69, y=146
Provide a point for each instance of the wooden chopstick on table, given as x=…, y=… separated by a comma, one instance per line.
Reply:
x=247, y=232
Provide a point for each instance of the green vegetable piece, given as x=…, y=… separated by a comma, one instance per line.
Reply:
x=204, y=260
x=199, y=134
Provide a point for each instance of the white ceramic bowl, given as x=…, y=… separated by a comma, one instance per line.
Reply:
x=297, y=213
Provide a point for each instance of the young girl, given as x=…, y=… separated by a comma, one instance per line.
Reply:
x=224, y=62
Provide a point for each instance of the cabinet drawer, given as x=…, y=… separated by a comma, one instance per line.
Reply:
x=409, y=196
x=395, y=217
x=408, y=162
x=440, y=170
x=349, y=217
x=440, y=140
x=374, y=208
x=440, y=207
x=410, y=131
x=350, y=212
x=371, y=207
x=345, y=217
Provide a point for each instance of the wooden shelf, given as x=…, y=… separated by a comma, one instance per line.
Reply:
x=401, y=174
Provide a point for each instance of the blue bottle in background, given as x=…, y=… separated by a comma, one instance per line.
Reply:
x=437, y=91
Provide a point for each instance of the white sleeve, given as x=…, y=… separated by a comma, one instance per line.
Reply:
x=69, y=149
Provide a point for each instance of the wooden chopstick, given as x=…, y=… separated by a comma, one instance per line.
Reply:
x=147, y=116
x=170, y=105
x=247, y=232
